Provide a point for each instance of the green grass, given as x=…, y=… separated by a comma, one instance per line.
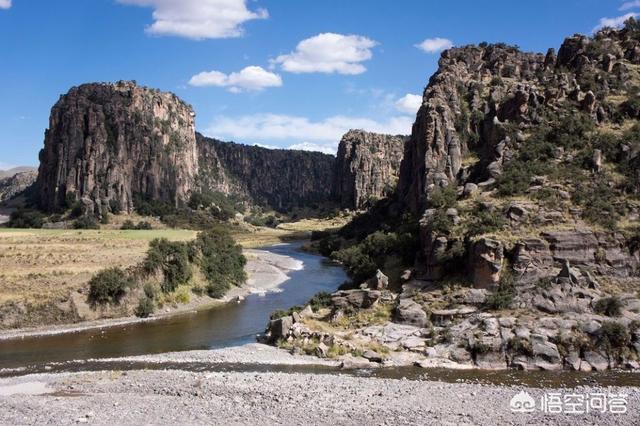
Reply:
x=148, y=235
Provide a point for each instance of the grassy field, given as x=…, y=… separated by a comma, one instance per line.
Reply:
x=38, y=265
x=45, y=266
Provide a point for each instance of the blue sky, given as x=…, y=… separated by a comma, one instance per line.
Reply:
x=278, y=73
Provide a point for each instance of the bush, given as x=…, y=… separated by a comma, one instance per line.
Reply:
x=150, y=291
x=77, y=210
x=26, y=218
x=219, y=205
x=172, y=258
x=485, y=221
x=108, y=286
x=320, y=300
x=609, y=306
x=145, y=307
x=503, y=297
x=613, y=336
x=129, y=225
x=220, y=260
x=520, y=346
x=443, y=197
x=86, y=222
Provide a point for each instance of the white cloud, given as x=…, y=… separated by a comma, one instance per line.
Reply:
x=328, y=53
x=249, y=78
x=630, y=5
x=409, y=103
x=614, y=22
x=435, y=45
x=276, y=127
x=5, y=4
x=198, y=19
x=328, y=148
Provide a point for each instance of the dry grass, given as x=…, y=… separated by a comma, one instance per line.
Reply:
x=44, y=265
x=39, y=266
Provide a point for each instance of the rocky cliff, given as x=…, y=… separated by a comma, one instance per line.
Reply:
x=108, y=143
x=529, y=144
x=367, y=167
x=521, y=175
x=15, y=184
x=278, y=178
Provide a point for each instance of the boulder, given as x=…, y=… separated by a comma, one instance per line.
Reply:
x=379, y=282
x=486, y=263
x=410, y=312
x=360, y=298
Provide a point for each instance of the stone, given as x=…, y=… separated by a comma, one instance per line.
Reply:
x=322, y=350
x=372, y=356
x=350, y=362
x=12, y=185
x=410, y=312
x=413, y=343
x=360, y=298
x=367, y=167
x=279, y=328
x=486, y=263
x=469, y=189
x=596, y=361
x=379, y=282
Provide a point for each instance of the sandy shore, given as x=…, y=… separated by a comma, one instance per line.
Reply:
x=266, y=271
x=235, y=398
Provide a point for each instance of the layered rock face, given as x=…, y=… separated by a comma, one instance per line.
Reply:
x=461, y=111
x=367, y=167
x=108, y=143
x=491, y=106
x=277, y=178
x=16, y=184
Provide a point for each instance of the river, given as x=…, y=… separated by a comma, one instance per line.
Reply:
x=228, y=325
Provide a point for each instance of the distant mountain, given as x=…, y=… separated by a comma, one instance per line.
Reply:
x=14, y=171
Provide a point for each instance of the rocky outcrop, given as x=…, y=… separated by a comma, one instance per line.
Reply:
x=367, y=167
x=278, y=178
x=108, y=143
x=16, y=184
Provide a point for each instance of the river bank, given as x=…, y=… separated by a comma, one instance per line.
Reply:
x=161, y=397
x=266, y=271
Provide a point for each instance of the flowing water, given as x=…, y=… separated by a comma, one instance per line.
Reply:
x=228, y=325
x=236, y=324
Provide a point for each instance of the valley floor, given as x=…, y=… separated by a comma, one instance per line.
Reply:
x=179, y=397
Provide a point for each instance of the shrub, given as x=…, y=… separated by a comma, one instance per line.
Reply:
x=485, y=221
x=220, y=260
x=172, y=258
x=150, y=291
x=108, y=286
x=77, y=210
x=86, y=222
x=609, y=306
x=217, y=204
x=613, y=336
x=320, y=300
x=127, y=225
x=145, y=307
x=443, y=197
x=503, y=297
x=26, y=218
x=520, y=346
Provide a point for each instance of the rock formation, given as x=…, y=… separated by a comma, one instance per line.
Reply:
x=277, y=178
x=367, y=167
x=108, y=143
x=15, y=184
